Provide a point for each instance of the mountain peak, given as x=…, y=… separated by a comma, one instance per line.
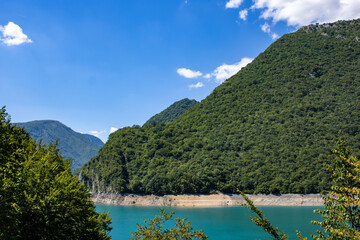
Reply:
x=73, y=145
x=173, y=112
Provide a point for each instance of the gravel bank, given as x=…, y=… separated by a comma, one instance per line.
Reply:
x=211, y=200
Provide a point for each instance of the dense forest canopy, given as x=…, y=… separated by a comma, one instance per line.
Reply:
x=78, y=147
x=267, y=129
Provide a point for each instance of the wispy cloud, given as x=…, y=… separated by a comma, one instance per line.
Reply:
x=208, y=75
x=198, y=85
x=97, y=133
x=265, y=27
x=225, y=71
x=113, y=129
x=274, y=36
x=243, y=14
x=188, y=73
x=12, y=34
x=233, y=3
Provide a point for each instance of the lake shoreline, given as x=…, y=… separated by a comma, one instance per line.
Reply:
x=206, y=200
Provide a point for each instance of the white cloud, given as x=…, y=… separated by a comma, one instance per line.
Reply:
x=188, y=73
x=207, y=76
x=12, y=34
x=225, y=71
x=113, y=129
x=265, y=27
x=198, y=85
x=233, y=3
x=304, y=12
x=97, y=133
x=274, y=36
x=243, y=14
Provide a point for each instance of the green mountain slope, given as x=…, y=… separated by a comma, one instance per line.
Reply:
x=76, y=146
x=269, y=128
x=171, y=113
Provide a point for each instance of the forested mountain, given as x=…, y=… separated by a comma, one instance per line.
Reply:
x=171, y=113
x=76, y=146
x=267, y=129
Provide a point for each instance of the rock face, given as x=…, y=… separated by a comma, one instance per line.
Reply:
x=212, y=200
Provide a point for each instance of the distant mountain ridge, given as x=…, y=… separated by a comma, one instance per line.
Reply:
x=76, y=146
x=173, y=112
x=269, y=128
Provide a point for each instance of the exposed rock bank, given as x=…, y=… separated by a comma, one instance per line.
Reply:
x=212, y=200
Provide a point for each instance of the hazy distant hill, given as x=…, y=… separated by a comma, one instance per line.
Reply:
x=269, y=128
x=171, y=113
x=79, y=147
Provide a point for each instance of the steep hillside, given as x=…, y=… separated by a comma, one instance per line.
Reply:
x=269, y=128
x=171, y=113
x=76, y=146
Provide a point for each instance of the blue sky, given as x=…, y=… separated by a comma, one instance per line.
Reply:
x=96, y=65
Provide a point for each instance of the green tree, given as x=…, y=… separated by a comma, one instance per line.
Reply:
x=341, y=216
x=154, y=229
x=342, y=203
x=39, y=196
x=261, y=221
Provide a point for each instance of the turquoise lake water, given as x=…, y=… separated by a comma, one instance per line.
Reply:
x=217, y=223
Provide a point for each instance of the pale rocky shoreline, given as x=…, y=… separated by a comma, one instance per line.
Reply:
x=211, y=200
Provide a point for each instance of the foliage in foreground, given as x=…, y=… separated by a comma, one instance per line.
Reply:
x=153, y=229
x=261, y=221
x=342, y=203
x=39, y=196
